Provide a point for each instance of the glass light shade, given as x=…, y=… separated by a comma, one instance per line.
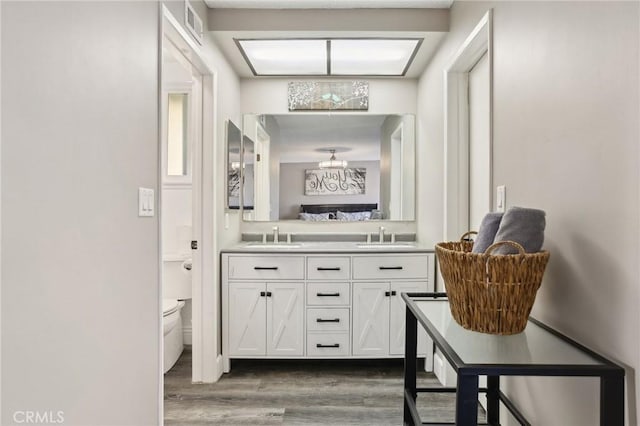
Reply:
x=286, y=57
x=372, y=56
x=333, y=164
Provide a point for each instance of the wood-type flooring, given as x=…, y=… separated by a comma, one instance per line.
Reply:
x=299, y=392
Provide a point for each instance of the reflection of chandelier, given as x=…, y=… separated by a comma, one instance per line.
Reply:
x=332, y=163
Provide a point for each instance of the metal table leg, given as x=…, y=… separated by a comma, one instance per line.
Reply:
x=467, y=399
x=493, y=400
x=410, y=360
x=612, y=399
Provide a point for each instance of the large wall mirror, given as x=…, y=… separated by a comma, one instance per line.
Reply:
x=330, y=167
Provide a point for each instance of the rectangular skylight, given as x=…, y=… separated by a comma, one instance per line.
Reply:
x=340, y=56
x=285, y=57
x=390, y=57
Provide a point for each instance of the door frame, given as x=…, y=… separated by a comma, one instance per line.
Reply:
x=207, y=358
x=456, y=127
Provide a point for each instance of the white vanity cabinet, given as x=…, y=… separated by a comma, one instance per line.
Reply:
x=319, y=304
x=378, y=308
x=263, y=302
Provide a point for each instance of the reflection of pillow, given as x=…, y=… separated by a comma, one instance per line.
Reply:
x=314, y=217
x=354, y=216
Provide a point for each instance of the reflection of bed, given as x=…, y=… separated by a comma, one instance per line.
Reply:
x=350, y=212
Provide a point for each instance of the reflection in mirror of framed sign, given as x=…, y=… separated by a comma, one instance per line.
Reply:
x=328, y=96
x=348, y=181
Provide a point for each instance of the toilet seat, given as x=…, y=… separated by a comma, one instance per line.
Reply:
x=169, y=306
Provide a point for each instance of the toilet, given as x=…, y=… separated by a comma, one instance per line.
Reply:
x=176, y=292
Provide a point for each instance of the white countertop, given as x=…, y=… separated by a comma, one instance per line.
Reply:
x=330, y=247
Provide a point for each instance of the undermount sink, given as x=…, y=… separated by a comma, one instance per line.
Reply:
x=274, y=245
x=386, y=245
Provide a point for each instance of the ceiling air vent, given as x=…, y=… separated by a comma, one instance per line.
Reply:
x=193, y=22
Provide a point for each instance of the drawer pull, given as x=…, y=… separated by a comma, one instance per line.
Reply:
x=322, y=268
x=386, y=268
x=328, y=294
x=265, y=268
x=327, y=320
x=320, y=345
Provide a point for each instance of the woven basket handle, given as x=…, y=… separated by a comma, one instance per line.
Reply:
x=467, y=234
x=502, y=243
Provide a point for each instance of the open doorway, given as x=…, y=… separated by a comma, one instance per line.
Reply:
x=181, y=133
x=186, y=99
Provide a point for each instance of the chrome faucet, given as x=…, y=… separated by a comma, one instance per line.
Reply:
x=276, y=235
x=381, y=237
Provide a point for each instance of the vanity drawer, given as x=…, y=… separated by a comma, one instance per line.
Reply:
x=328, y=319
x=325, y=294
x=328, y=344
x=328, y=268
x=266, y=267
x=391, y=267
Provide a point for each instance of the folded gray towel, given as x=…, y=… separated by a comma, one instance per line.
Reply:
x=487, y=232
x=524, y=226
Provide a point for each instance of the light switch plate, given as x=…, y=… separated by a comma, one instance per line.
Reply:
x=501, y=198
x=146, y=202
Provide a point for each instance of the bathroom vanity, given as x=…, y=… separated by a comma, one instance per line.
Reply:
x=320, y=300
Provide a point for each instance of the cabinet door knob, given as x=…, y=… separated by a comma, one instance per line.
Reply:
x=268, y=294
x=263, y=294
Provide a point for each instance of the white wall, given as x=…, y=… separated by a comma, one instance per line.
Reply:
x=80, y=323
x=566, y=134
x=292, y=188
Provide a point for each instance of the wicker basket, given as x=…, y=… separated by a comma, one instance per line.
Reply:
x=490, y=293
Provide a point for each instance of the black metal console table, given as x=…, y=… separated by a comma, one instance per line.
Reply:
x=537, y=351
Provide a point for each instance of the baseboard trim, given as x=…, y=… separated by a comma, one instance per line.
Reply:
x=187, y=335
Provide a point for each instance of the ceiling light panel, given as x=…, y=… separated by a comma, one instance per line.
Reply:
x=285, y=57
x=389, y=57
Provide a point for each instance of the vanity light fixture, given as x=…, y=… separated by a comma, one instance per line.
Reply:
x=329, y=57
x=332, y=163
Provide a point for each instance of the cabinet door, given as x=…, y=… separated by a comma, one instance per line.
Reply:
x=285, y=319
x=371, y=319
x=247, y=311
x=397, y=318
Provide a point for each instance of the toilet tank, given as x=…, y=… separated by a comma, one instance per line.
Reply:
x=176, y=283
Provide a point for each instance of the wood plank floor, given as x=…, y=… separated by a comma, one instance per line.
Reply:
x=298, y=392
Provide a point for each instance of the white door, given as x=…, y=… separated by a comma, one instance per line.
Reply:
x=397, y=318
x=285, y=319
x=479, y=143
x=371, y=319
x=247, y=313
